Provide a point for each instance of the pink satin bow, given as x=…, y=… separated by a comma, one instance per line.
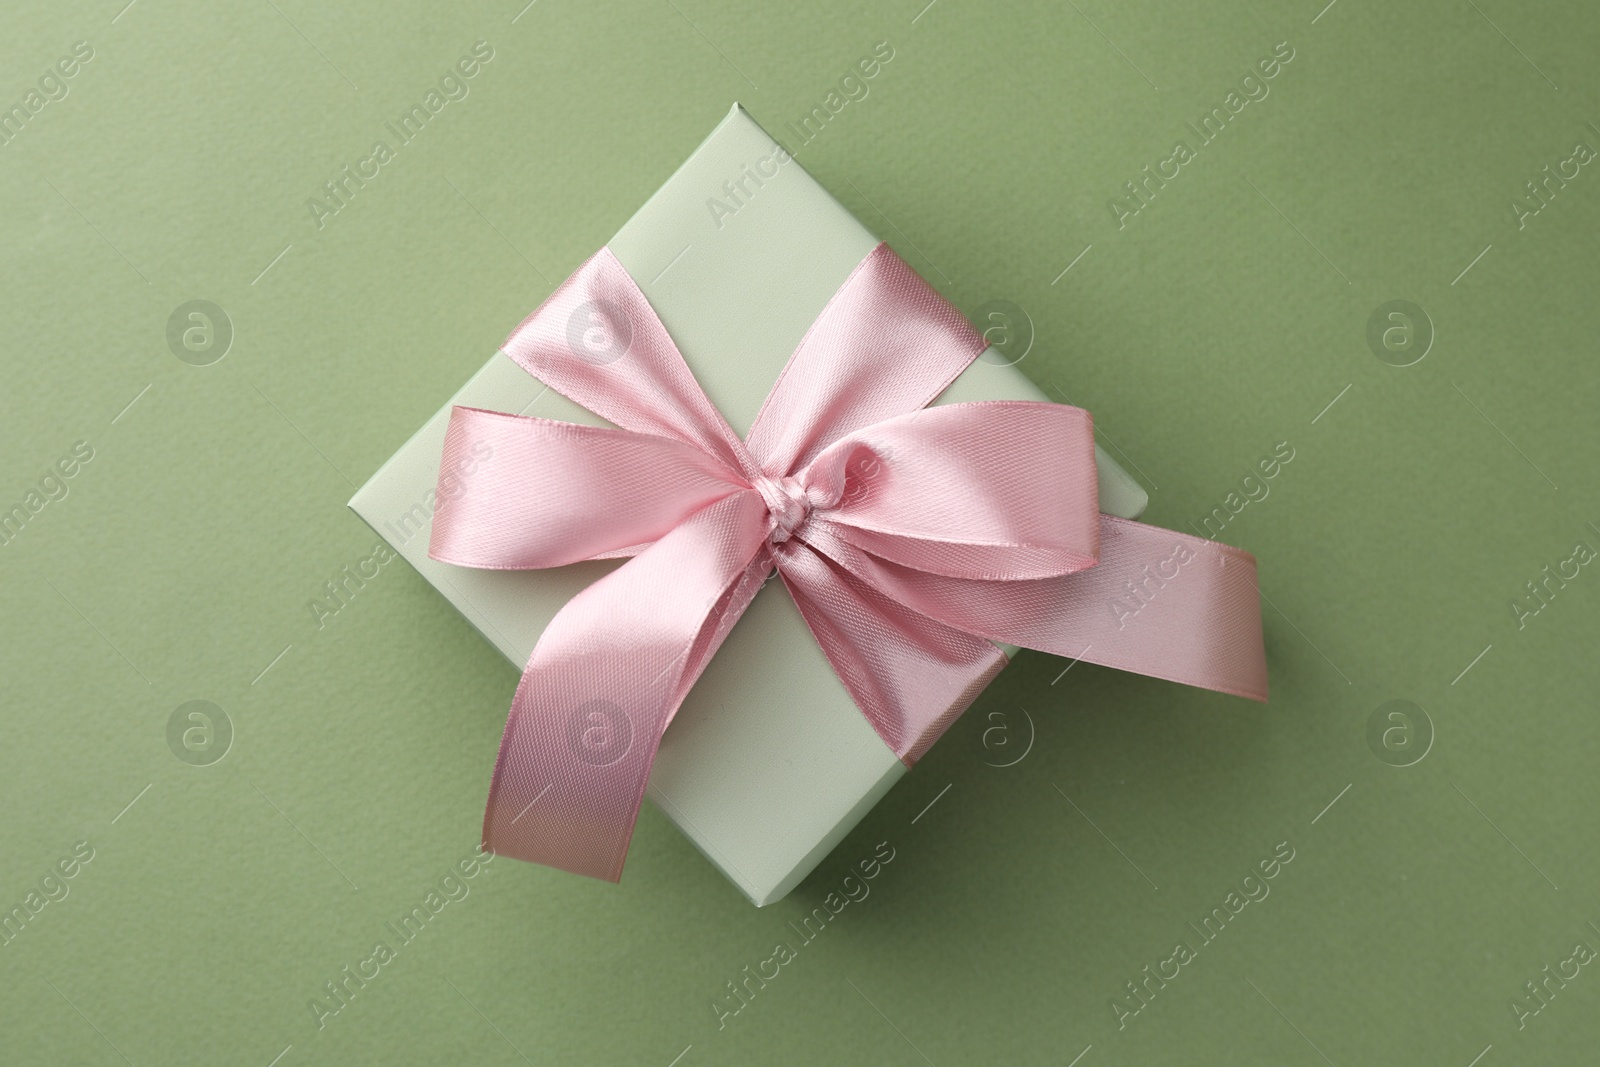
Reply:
x=910, y=537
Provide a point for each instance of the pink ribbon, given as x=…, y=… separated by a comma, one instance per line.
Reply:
x=911, y=538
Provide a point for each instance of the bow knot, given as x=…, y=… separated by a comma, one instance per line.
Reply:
x=788, y=503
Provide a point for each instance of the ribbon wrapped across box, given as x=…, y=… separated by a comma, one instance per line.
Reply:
x=746, y=384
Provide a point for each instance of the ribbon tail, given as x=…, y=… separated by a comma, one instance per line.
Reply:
x=1166, y=605
x=910, y=675
x=1158, y=603
x=604, y=681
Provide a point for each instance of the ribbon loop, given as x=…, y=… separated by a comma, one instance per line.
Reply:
x=597, y=341
x=999, y=490
x=522, y=493
x=886, y=344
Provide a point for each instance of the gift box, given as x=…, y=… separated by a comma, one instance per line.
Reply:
x=769, y=763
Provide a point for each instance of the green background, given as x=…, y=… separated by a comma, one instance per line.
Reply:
x=1223, y=319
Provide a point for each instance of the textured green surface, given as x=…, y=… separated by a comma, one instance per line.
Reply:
x=1222, y=319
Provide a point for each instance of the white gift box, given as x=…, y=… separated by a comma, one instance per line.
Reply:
x=769, y=763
